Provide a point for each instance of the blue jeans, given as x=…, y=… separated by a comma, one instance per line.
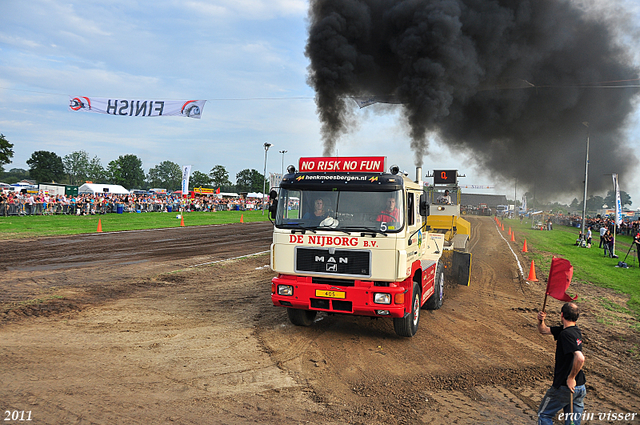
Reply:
x=560, y=398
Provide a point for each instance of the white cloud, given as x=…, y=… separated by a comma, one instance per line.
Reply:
x=18, y=42
x=248, y=9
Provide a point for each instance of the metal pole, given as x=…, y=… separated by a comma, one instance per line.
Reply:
x=615, y=230
x=264, y=181
x=586, y=178
x=282, y=169
x=615, y=216
x=267, y=145
x=515, y=199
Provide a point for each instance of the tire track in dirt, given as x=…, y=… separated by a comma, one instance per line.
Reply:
x=47, y=268
x=183, y=351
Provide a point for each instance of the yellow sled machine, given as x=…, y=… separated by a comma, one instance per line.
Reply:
x=445, y=217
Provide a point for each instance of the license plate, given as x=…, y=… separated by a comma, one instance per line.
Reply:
x=330, y=294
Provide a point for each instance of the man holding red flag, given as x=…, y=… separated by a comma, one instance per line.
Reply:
x=568, y=389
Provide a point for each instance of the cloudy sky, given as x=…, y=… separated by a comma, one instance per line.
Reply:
x=245, y=57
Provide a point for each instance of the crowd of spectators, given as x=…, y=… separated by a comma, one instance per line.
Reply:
x=41, y=203
x=600, y=231
x=628, y=227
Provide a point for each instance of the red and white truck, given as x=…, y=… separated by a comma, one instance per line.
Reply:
x=341, y=246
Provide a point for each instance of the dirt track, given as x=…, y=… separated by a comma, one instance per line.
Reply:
x=151, y=327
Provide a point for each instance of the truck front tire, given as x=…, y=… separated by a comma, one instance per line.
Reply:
x=408, y=325
x=301, y=317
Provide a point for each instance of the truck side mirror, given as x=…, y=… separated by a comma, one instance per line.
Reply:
x=273, y=206
x=424, y=207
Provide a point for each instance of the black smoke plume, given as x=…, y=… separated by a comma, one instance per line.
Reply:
x=509, y=81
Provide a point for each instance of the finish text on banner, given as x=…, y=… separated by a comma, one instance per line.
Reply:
x=138, y=108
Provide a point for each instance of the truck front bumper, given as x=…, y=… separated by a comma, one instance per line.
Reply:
x=356, y=297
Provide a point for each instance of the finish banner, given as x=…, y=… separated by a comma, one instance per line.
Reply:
x=138, y=108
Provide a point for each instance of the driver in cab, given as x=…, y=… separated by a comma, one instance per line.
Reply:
x=391, y=212
x=445, y=199
x=319, y=211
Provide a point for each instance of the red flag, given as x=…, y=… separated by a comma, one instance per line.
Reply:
x=559, y=280
x=217, y=191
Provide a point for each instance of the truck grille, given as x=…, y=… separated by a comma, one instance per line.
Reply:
x=336, y=305
x=333, y=282
x=333, y=261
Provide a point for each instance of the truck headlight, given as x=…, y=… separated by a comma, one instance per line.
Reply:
x=285, y=290
x=381, y=298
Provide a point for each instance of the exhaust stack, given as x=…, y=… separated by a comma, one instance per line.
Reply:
x=419, y=175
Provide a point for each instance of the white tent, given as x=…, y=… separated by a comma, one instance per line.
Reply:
x=94, y=188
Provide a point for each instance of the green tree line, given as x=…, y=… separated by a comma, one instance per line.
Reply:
x=78, y=167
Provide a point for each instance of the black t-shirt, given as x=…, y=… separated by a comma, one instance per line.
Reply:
x=569, y=341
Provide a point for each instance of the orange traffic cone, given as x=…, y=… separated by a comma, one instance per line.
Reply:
x=502, y=227
x=532, y=273
x=524, y=248
x=99, y=225
x=509, y=230
x=182, y=220
x=513, y=236
x=241, y=218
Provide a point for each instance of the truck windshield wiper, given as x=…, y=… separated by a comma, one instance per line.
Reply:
x=298, y=227
x=316, y=228
x=365, y=230
x=333, y=229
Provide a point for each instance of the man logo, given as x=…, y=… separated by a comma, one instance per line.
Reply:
x=331, y=263
x=341, y=260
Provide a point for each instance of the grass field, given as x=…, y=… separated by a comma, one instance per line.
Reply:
x=57, y=225
x=589, y=264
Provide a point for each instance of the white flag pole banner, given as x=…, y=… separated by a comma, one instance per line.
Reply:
x=618, y=203
x=138, y=108
x=186, y=171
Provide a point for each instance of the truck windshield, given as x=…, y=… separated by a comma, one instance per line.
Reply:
x=340, y=210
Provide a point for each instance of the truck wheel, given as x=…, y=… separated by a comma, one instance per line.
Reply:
x=301, y=317
x=408, y=325
x=435, y=300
